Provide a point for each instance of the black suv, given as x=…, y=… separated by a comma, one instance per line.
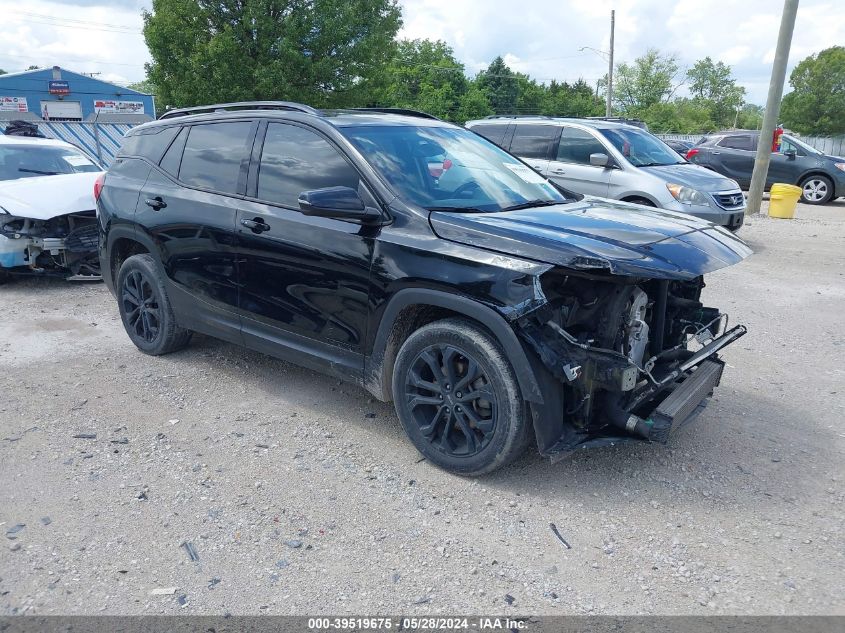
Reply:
x=821, y=177
x=422, y=262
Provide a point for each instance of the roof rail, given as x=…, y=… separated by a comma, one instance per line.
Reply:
x=241, y=105
x=518, y=116
x=405, y=111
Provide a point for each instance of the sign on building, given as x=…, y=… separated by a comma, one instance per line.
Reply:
x=13, y=104
x=58, y=88
x=118, y=107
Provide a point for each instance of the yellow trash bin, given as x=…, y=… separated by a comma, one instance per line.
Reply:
x=783, y=200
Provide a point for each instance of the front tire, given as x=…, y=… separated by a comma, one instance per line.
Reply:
x=458, y=399
x=145, y=309
x=816, y=190
x=644, y=202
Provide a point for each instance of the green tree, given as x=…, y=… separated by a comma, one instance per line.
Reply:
x=529, y=95
x=713, y=85
x=473, y=105
x=651, y=79
x=681, y=116
x=146, y=86
x=816, y=104
x=501, y=86
x=578, y=99
x=322, y=52
x=425, y=75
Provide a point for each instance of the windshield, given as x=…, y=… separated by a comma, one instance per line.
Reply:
x=444, y=168
x=641, y=148
x=27, y=161
x=807, y=148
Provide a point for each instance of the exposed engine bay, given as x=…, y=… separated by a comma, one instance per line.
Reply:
x=635, y=356
x=64, y=245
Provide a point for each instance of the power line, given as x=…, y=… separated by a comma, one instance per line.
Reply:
x=91, y=22
x=75, y=60
x=68, y=23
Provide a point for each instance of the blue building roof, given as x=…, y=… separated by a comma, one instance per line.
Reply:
x=59, y=94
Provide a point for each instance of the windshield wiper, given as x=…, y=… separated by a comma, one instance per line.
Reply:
x=457, y=209
x=660, y=164
x=38, y=171
x=533, y=203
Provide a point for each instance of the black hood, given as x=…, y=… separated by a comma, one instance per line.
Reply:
x=594, y=233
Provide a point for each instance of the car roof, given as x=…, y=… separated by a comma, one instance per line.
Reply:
x=733, y=133
x=288, y=111
x=596, y=124
x=12, y=139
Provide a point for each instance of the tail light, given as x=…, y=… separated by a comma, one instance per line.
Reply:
x=691, y=153
x=98, y=186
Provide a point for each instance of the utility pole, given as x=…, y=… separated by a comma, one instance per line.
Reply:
x=770, y=117
x=608, y=109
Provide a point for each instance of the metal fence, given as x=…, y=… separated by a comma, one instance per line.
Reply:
x=101, y=140
x=834, y=145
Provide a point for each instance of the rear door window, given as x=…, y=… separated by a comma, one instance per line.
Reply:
x=214, y=153
x=173, y=156
x=736, y=142
x=534, y=141
x=495, y=133
x=294, y=160
x=576, y=146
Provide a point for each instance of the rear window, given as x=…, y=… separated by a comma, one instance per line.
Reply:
x=150, y=143
x=534, y=141
x=213, y=155
x=492, y=132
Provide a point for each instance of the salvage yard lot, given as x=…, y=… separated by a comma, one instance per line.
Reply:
x=300, y=494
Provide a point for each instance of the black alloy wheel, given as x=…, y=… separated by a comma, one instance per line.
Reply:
x=143, y=314
x=452, y=400
x=145, y=308
x=458, y=399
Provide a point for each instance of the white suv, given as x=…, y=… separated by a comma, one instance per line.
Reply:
x=618, y=161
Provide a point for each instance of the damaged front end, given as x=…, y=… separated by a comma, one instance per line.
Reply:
x=64, y=245
x=634, y=358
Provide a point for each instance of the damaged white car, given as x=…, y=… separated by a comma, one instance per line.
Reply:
x=48, y=219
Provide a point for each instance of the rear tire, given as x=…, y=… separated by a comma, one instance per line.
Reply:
x=458, y=399
x=145, y=309
x=816, y=190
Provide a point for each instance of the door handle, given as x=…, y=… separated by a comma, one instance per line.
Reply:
x=558, y=171
x=256, y=226
x=717, y=152
x=156, y=203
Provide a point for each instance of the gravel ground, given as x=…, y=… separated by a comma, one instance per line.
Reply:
x=299, y=494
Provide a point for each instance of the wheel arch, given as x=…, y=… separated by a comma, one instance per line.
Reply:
x=634, y=197
x=412, y=308
x=815, y=172
x=121, y=243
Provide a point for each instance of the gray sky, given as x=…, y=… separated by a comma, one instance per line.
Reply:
x=539, y=37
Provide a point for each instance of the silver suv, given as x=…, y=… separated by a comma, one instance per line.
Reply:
x=619, y=161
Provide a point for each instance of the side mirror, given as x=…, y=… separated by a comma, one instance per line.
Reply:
x=790, y=154
x=342, y=203
x=599, y=160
